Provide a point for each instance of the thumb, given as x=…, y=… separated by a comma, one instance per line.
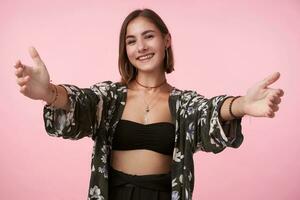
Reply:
x=35, y=57
x=270, y=79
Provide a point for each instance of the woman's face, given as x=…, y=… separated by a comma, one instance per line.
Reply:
x=145, y=45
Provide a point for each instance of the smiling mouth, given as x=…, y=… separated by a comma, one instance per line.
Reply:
x=145, y=57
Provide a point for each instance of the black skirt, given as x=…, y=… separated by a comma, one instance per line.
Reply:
x=124, y=186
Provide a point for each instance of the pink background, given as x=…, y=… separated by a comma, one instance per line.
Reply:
x=221, y=47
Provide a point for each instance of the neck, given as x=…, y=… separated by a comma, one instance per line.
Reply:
x=150, y=80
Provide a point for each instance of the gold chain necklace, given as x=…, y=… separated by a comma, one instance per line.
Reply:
x=151, y=87
x=148, y=105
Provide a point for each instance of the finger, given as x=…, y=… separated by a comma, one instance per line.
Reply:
x=280, y=92
x=23, y=89
x=18, y=64
x=270, y=114
x=23, y=81
x=24, y=70
x=19, y=72
x=276, y=100
x=275, y=108
x=273, y=96
x=274, y=92
x=35, y=56
x=270, y=79
x=270, y=102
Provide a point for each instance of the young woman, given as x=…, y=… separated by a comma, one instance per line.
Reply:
x=145, y=130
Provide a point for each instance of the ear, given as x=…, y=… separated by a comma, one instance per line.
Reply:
x=167, y=40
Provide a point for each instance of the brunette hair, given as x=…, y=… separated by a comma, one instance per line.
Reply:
x=127, y=71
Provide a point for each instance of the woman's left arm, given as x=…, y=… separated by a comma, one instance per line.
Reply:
x=260, y=101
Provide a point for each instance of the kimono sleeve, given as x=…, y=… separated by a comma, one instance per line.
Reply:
x=210, y=134
x=84, y=115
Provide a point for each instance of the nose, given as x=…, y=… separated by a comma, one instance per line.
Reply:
x=142, y=46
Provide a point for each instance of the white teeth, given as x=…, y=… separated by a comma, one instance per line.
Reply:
x=146, y=57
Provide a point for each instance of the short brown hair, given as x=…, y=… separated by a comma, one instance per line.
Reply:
x=127, y=71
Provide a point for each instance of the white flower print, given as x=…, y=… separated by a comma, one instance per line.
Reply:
x=95, y=192
x=180, y=178
x=195, y=118
x=190, y=176
x=61, y=123
x=177, y=155
x=103, y=170
x=174, y=183
x=177, y=105
x=94, y=149
x=182, y=113
x=104, y=158
x=105, y=154
x=186, y=193
x=48, y=118
x=101, y=89
x=99, y=112
x=175, y=195
x=190, y=132
x=190, y=110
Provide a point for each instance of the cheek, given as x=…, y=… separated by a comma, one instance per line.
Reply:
x=160, y=47
x=130, y=53
x=161, y=51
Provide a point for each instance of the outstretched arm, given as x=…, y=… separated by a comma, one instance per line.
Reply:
x=71, y=112
x=260, y=101
x=34, y=82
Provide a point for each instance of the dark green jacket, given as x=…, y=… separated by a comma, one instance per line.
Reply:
x=96, y=111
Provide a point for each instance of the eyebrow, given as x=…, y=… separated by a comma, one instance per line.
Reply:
x=143, y=33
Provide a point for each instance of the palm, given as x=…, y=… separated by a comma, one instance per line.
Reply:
x=37, y=86
x=262, y=101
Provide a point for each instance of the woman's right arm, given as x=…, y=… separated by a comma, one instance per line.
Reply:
x=58, y=97
x=71, y=112
x=34, y=82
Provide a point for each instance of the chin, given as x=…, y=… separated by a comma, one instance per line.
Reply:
x=147, y=68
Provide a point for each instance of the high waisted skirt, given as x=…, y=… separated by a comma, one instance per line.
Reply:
x=124, y=186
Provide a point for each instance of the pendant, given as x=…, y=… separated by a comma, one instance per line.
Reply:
x=147, y=109
x=146, y=115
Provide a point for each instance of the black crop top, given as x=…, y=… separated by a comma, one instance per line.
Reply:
x=157, y=137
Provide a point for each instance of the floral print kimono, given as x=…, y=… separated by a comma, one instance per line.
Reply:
x=95, y=112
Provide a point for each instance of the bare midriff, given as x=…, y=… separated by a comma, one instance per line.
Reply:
x=140, y=162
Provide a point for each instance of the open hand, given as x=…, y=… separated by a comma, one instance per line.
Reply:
x=262, y=101
x=34, y=81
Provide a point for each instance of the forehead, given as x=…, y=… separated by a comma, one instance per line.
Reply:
x=140, y=24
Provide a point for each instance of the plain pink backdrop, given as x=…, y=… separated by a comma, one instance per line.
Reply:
x=221, y=47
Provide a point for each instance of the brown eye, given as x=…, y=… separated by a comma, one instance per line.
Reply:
x=129, y=42
x=149, y=36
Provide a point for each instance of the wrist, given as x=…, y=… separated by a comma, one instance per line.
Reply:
x=239, y=106
x=50, y=94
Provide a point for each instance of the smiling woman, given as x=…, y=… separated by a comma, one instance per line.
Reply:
x=144, y=34
x=145, y=130
x=145, y=46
